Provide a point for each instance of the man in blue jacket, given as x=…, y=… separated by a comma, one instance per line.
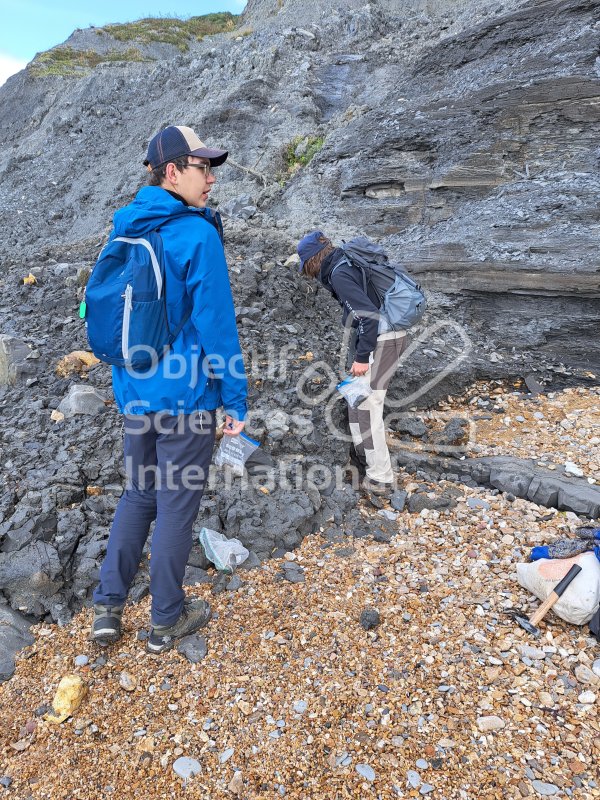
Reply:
x=170, y=409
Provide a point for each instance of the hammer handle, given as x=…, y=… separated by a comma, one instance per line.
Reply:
x=558, y=590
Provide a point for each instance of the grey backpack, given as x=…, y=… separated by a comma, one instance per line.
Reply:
x=401, y=300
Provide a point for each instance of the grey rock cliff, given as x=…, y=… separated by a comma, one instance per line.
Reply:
x=462, y=135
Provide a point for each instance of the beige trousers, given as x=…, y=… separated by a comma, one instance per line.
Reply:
x=366, y=421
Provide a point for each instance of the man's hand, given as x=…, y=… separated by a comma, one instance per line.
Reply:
x=232, y=426
x=358, y=369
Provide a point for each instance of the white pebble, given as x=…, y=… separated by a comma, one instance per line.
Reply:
x=586, y=675
x=413, y=778
x=366, y=771
x=573, y=469
x=534, y=653
x=545, y=789
x=491, y=723
x=186, y=767
x=300, y=706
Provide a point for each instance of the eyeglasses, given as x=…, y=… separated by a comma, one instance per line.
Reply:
x=206, y=168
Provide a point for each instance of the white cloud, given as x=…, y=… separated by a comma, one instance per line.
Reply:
x=8, y=67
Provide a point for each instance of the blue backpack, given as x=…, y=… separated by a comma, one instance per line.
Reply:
x=401, y=300
x=125, y=303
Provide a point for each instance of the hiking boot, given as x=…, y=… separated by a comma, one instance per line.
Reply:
x=194, y=615
x=106, y=627
x=376, y=487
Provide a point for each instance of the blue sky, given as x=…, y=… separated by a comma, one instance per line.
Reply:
x=31, y=26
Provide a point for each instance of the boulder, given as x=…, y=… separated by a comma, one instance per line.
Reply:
x=241, y=207
x=30, y=577
x=82, y=399
x=14, y=635
x=15, y=364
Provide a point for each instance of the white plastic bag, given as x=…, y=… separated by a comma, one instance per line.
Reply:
x=580, y=600
x=226, y=554
x=355, y=390
x=235, y=450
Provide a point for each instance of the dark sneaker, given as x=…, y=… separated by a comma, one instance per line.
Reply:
x=193, y=616
x=106, y=627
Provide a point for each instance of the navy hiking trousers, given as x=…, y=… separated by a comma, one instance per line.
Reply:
x=167, y=459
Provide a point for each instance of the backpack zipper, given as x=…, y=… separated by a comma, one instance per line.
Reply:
x=126, y=319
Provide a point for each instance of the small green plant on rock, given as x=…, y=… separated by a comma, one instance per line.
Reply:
x=299, y=152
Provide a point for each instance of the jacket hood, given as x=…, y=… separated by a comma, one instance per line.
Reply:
x=328, y=264
x=151, y=207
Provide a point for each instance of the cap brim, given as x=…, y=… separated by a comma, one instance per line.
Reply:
x=216, y=157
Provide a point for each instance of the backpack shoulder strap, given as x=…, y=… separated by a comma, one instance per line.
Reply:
x=160, y=274
x=355, y=265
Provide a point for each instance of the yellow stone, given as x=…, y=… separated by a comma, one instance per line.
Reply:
x=69, y=695
x=75, y=362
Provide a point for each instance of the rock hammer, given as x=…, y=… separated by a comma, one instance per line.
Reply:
x=530, y=624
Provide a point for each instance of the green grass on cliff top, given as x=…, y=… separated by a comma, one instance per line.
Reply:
x=177, y=32
x=68, y=61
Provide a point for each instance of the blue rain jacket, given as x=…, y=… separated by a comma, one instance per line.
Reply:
x=203, y=368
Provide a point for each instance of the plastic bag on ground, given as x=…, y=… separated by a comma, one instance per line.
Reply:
x=354, y=390
x=581, y=598
x=259, y=463
x=235, y=450
x=226, y=554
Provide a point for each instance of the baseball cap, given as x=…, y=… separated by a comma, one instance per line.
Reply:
x=309, y=246
x=176, y=141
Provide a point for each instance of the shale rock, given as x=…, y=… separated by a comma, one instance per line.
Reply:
x=31, y=577
x=519, y=477
x=14, y=360
x=82, y=399
x=14, y=635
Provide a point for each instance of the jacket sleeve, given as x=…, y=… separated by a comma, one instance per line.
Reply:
x=362, y=310
x=213, y=315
